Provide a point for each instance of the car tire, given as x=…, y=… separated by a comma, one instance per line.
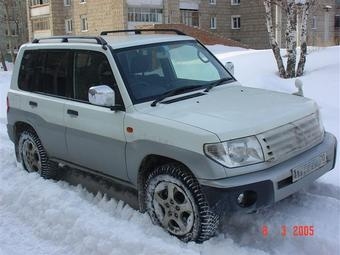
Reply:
x=33, y=156
x=174, y=200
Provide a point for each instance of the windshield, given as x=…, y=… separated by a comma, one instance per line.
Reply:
x=152, y=70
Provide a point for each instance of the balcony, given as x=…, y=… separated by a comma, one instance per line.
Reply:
x=40, y=10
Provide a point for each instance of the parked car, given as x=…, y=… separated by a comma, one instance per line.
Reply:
x=160, y=114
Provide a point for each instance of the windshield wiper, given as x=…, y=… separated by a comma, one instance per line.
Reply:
x=217, y=82
x=174, y=92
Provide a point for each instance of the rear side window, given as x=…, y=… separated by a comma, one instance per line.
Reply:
x=47, y=72
x=66, y=73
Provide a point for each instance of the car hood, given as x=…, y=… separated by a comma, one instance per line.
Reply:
x=234, y=111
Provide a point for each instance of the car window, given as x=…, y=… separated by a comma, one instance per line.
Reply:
x=192, y=63
x=47, y=72
x=91, y=69
x=152, y=70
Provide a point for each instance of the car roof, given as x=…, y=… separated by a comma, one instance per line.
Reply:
x=126, y=40
x=116, y=41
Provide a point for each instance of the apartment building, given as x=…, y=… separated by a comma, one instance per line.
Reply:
x=239, y=20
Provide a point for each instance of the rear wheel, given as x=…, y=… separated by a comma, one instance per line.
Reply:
x=175, y=201
x=33, y=155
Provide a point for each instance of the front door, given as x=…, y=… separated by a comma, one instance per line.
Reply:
x=94, y=134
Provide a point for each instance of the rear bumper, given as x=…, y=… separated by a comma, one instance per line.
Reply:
x=270, y=185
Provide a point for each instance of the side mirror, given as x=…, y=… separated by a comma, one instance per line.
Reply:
x=230, y=67
x=102, y=95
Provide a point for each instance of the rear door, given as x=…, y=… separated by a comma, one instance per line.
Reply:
x=94, y=134
x=45, y=79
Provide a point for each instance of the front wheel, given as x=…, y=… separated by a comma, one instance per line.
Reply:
x=174, y=200
x=33, y=155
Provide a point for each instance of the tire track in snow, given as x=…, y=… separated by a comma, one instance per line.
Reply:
x=47, y=217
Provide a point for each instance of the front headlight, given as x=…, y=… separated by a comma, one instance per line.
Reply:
x=235, y=153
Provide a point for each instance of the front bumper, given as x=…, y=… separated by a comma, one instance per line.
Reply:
x=269, y=185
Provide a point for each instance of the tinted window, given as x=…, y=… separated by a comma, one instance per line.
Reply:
x=47, y=72
x=92, y=69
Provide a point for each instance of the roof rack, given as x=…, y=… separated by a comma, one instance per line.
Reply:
x=139, y=31
x=65, y=39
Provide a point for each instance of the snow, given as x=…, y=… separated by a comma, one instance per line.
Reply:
x=48, y=217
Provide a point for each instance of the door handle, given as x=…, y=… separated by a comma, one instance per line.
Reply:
x=33, y=104
x=72, y=112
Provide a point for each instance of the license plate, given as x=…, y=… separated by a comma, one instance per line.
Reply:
x=303, y=170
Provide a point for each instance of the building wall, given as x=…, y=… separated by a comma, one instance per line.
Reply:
x=337, y=23
x=106, y=15
x=323, y=34
x=113, y=14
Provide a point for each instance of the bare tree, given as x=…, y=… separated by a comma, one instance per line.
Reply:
x=7, y=4
x=303, y=43
x=292, y=8
x=291, y=37
x=3, y=62
x=273, y=42
x=13, y=26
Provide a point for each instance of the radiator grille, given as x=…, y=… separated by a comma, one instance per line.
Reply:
x=291, y=139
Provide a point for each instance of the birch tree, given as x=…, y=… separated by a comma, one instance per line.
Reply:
x=291, y=37
x=303, y=43
x=292, y=8
x=273, y=42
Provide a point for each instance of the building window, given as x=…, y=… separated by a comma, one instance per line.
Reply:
x=67, y=2
x=41, y=24
x=83, y=24
x=68, y=26
x=337, y=21
x=145, y=15
x=314, y=26
x=190, y=17
x=39, y=2
x=235, y=22
x=212, y=1
x=235, y=2
x=213, y=22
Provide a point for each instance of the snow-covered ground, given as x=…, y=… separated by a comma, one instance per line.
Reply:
x=47, y=217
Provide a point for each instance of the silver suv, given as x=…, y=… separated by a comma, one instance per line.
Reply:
x=159, y=113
